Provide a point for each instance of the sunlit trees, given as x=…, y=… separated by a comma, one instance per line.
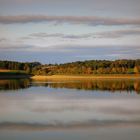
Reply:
x=137, y=69
x=79, y=67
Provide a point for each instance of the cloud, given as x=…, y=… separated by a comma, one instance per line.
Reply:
x=118, y=33
x=54, y=47
x=17, y=47
x=106, y=34
x=57, y=125
x=42, y=35
x=27, y=1
x=88, y=20
x=56, y=54
x=3, y=39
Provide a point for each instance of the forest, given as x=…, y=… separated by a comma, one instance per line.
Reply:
x=26, y=67
x=87, y=67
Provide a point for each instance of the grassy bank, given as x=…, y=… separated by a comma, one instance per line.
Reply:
x=8, y=74
x=107, y=76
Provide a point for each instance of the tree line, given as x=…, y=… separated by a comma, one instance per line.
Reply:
x=79, y=67
x=13, y=65
x=92, y=67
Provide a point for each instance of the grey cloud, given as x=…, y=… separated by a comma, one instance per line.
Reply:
x=26, y=126
x=10, y=47
x=106, y=34
x=26, y=1
x=56, y=54
x=118, y=33
x=3, y=39
x=88, y=20
x=46, y=35
x=60, y=35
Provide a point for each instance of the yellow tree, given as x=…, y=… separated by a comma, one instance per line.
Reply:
x=136, y=70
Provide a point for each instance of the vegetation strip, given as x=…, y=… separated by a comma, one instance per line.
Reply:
x=80, y=68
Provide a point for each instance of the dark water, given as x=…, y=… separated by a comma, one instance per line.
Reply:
x=78, y=110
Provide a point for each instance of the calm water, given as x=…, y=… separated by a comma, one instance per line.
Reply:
x=66, y=110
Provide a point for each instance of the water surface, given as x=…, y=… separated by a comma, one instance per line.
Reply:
x=87, y=109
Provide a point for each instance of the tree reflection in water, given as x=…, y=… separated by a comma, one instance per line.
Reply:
x=14, y=84
x=109, y=85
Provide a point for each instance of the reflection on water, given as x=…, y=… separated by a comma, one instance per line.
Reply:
x=14, y=84
x=110, y=85
x=84, y=113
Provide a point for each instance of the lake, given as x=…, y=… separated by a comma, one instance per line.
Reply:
x=69, y=109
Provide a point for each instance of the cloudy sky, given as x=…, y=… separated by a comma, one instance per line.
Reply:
x=57, y=31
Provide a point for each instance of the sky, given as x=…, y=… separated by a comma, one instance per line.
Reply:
x=59, y=31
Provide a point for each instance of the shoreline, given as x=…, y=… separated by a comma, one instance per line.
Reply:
x=14, y=76
x=56, y=77
x=9, y=74
x=67, y=77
